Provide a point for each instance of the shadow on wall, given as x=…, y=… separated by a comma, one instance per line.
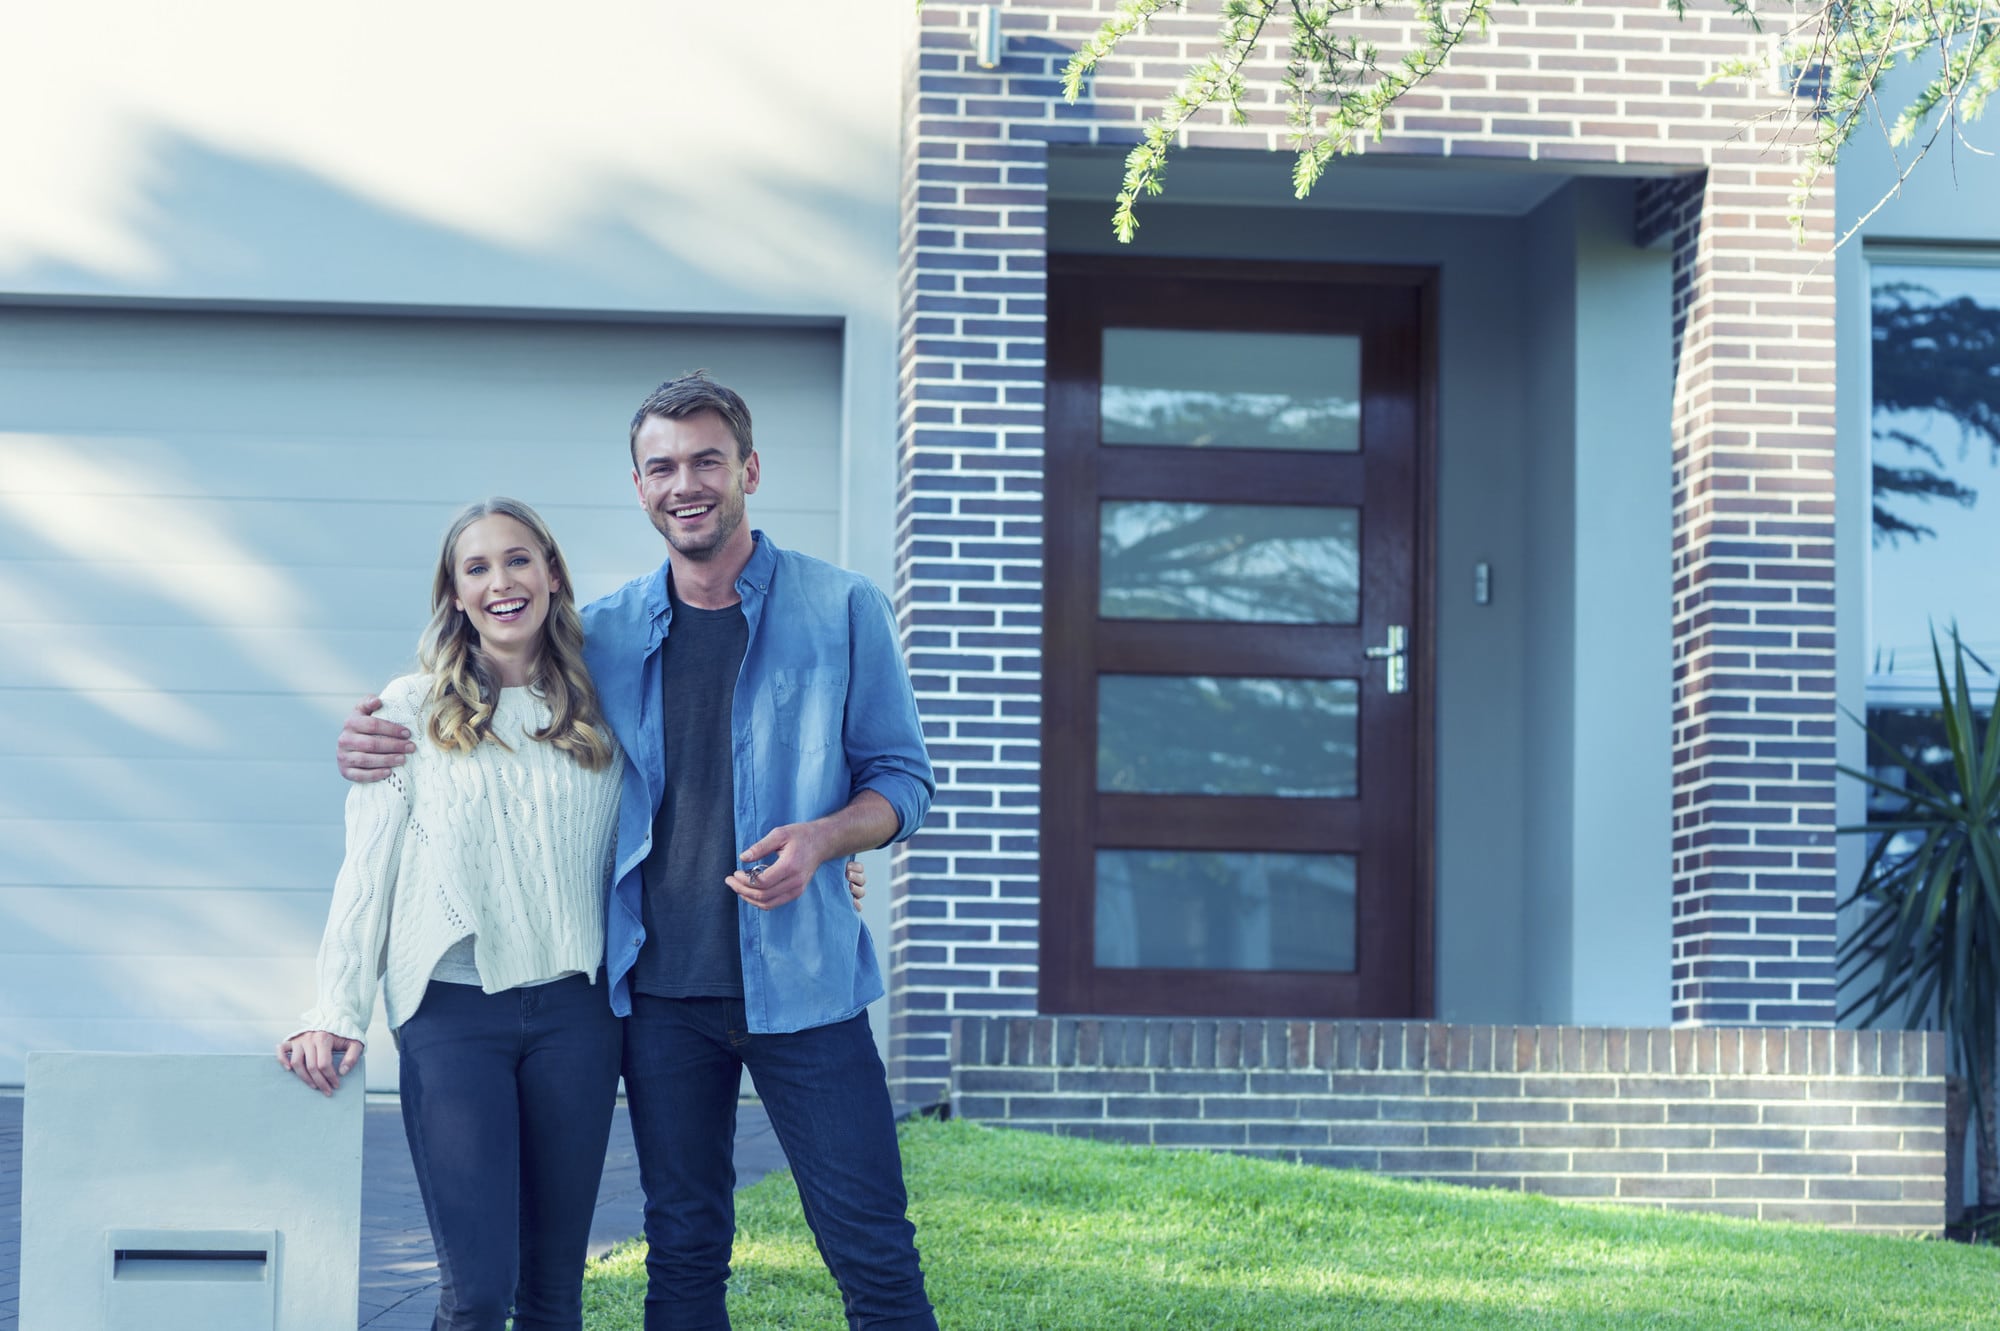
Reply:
x=153, y=861
x=199, y=222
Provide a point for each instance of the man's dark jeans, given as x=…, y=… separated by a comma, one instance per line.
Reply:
x=507, y=1101
x=829, y=1104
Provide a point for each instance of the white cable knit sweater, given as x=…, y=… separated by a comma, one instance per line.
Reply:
x=514, y=847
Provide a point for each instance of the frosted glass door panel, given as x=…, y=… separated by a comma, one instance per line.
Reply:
x=1224, y=910
x=1250, y=563
x=1197, y=735
x=1203, y=389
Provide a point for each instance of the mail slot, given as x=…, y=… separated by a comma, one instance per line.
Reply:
x=224, y=1264
x=190, y=1280
x=159, y=1192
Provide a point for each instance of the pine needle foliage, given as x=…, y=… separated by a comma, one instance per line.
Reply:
x=1831, y=57
x=1834, y=57
x=1338, y=88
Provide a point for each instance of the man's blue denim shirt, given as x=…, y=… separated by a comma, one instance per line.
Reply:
x=823, y=711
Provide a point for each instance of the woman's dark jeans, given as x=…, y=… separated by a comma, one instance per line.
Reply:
x=507, y=1101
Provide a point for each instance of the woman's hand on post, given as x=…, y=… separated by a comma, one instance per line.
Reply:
x=309, y=1057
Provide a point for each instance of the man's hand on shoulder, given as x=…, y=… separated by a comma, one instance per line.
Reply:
x=369, y=746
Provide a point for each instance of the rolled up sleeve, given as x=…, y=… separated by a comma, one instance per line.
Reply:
x=882, y=733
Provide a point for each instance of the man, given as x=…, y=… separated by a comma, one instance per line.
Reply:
x=770, y=731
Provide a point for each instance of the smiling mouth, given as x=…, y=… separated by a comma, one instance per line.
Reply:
x=691, y=512
x=508, y=611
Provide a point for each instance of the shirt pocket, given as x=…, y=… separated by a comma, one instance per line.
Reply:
x=808, y=705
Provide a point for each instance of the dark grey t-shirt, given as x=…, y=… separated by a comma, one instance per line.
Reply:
x=691, y=948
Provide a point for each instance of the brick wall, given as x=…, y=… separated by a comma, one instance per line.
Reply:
x=1842, y=1128
x=1611, y=84
x=1753, y=569
x=968, y=555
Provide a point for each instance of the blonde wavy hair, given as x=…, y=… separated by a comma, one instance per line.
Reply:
x=464, y=693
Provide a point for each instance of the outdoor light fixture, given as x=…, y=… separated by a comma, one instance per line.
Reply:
x=988, y=42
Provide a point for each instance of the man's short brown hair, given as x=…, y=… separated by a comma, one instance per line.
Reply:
x=688, y=395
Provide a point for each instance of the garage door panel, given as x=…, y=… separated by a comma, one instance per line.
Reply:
x=135, y=853
x=270, y=543
x=195, y=972
x=203, y=789
x=149, y=724
x=113, y=595
x=163, y=922
x=304, y=466
x=178, y=659
x=239, y=658
x=127, y=372
x=275, y=534
x=318, y=467
x=132, y=594
x=237, y=988
x=216, y=533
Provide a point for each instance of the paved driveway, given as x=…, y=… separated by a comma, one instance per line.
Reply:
x=398, y=1270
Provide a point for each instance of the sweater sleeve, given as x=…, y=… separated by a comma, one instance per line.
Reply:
x=352, y=951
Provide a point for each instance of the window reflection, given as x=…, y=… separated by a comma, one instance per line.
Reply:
x=1252, y=563
x=1221, y=910
x=1211, y=389
x=1936, y=509
x=1200, y=735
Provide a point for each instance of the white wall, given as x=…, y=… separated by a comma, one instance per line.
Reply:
x=1599, y=614
x=1546, y=590
x=1622, y=619
x=660, y=157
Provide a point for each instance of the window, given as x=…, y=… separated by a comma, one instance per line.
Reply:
x=1935, y=551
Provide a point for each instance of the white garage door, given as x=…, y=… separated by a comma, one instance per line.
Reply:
x=216, y=532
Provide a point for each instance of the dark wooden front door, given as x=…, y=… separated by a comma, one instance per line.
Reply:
x=1235, y=774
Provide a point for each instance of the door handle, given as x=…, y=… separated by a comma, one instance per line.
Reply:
x=1395, y=652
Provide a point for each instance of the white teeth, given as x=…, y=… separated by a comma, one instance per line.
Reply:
x=691, y=512
x=506, y=607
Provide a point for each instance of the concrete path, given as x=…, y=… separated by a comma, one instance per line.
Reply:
x=398, y=1270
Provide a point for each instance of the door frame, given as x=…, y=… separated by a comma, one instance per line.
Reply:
x=1066, y=474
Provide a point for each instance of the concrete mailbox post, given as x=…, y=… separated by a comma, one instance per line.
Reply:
x=177, y=1192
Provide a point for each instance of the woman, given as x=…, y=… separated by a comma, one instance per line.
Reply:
x=473, y=891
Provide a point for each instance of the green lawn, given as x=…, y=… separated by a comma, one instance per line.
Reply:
x=1024, y=1232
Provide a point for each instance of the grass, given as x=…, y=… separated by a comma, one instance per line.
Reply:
x=1032, y=1233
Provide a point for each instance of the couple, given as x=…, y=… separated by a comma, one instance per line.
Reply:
x=768, y=731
